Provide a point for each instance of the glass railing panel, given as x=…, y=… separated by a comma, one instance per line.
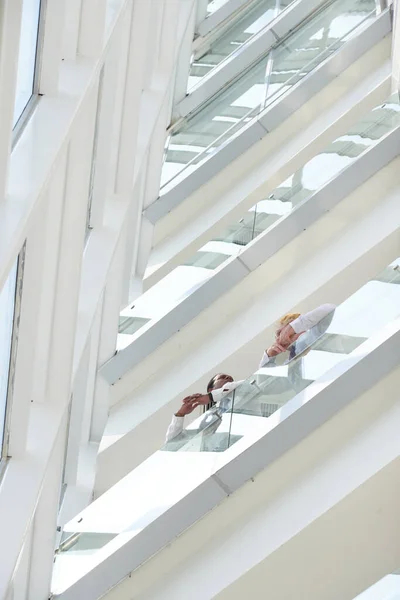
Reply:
x=313, y=43
x=255, y=19
x=313, y=354
x=196, y=451
x=203, y=134
x=130, y=325
x=298, y=188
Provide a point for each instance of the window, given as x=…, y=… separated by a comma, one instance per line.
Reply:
x=27, y=56
x=7, y=305
x=94, y=152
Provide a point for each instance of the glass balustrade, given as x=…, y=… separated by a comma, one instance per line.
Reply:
x=201, y=135
x=331, y=341
x=198, y=451
x=255, y=19
x=7, y=310
x=298, y=188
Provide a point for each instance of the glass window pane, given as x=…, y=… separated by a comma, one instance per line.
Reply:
x=94, y=152
x=7, y=302
x=27, y=56
x=201, y=135
x=243, y=28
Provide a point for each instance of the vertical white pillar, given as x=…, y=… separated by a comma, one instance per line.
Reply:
x=108, y=334
x=45, y=523
x=10, y=29
x=27, y=337
x=70, y=38
x=183, y=58
x=52, y=218
x=70, y=262
x=201, y=12
x=396, y=47
x=92, y=27
x=50, y=50
x=139, y=38
x=150, y=49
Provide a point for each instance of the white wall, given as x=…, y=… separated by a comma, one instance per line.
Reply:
x=102, y=64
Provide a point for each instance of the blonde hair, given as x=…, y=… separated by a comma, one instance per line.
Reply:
x=288, y=318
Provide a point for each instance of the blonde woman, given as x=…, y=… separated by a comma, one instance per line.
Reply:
x=293, y=325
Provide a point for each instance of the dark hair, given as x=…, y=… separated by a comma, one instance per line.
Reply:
x=211, y=383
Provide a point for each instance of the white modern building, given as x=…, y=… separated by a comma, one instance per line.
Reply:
x=176, y=175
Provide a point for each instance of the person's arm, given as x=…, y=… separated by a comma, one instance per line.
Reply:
x=219, y=393
x=264, y=359
x=293, y=330
x=175, y=428
x=270, y=354
x=311, y=318
x=215, y=395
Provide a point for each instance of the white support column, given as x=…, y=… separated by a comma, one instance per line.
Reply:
x=28, y=332
x=72, y=245
x=10, y=27
x=70, y=37
x=76, y=418
x=20, y=583
x=115, y=75
x=183, y=58
x=51, y=31
x=105, y=102
x=53, y=211
x=140, y=30
x=396, y=47
x=201, y=11
x=45, y=523
x=150, y=50
x=158, y=49
x=92, y=375
x=108, y=334
x=155, y=159
x=132, y=286
x=92, y=27
x=169, y=35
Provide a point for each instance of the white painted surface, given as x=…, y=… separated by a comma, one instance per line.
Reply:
x=73, y=283
x=76, y=282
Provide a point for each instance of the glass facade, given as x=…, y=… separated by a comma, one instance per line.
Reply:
x=191, y=455
x=27, y=56
x=204, y=133
x=258, y=17
x=7, y=305
x=297, y=189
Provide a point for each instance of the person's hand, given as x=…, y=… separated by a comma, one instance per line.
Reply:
x=200, y=399
x=286, y=336
x=276, y=349
x=188, y=405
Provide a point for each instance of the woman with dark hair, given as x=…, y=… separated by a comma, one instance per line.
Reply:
x=219, y=389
